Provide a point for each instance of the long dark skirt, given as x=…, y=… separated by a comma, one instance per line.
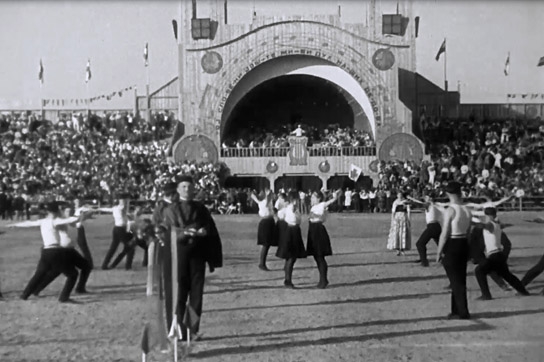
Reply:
x=319, y=243
x=266, y=232
x=290, y=245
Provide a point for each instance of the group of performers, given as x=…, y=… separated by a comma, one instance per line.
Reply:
x=461, y=231
x=280, y=226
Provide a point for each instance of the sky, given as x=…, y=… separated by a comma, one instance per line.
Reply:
x=112, y=34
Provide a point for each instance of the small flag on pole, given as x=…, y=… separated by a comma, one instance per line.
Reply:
x=88, y=71
x=146, y=55
x=190, y=319
x=175, y=27
x=441, y=50
x=540, y=62
x=40, y=72
x=507, y=65
x=145, y=343
x=354, y=172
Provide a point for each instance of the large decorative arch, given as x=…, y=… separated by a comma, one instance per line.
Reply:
x=301, y=40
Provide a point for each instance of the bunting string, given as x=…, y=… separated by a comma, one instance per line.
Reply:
x=86, y=101
x=525, y=95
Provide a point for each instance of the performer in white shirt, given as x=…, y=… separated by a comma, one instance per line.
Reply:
x=495, y=258
x=433, y=218
x=319, y=242
x=53, y=256
x=119, y=232
x=290, y=244
x=81, y=235
x=266, y=231
x=72, y=256
x=453, y=250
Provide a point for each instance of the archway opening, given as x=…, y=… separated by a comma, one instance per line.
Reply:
x=276, y=106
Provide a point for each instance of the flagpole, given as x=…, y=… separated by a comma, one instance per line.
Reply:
x=148, y=102
x=445, y=66
x=41, y=101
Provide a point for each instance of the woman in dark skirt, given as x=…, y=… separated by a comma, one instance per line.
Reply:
x=266, y=231
x=290, y=244
x=319, y=243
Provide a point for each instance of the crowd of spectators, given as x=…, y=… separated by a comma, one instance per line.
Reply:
x=94, y=157
x=257, y=141
x=91, y=157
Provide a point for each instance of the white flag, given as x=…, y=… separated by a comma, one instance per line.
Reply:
x=88, y=71
x=146, y=55
x=355, y=172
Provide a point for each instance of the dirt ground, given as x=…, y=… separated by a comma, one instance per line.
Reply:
x=378, y=307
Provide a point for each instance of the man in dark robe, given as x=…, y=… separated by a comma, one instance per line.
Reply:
x=197, y=243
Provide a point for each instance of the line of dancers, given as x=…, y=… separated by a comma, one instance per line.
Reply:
x=280, y=226
x=58, y=254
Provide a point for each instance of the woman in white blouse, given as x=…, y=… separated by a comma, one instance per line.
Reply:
x=400, y=233
x=290, y=244
x=319, y=243
x=266, y=231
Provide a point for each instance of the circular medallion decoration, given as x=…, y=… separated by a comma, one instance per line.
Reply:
x=198, y=148
x=324, y=166
x=374, y=166
x=383, y=59
x=401, y=146
x=272, y=167
x=211, y=62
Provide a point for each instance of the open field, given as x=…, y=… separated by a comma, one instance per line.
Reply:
x=378, y=307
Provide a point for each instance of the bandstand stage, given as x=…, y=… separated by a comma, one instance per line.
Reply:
x=281, y=71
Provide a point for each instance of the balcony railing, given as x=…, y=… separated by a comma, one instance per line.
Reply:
x=312, y=151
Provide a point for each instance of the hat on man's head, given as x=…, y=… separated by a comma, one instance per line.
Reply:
x=169, y=188
x=185, y=178
x=53, y=207
x=453, y=187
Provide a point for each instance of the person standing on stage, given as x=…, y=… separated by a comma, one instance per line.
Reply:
x=53, y=256
x=400, y=231
x=198, y=243
x=119, y=232
x=495, y=259
x=266, y=231
x=319, y=243
x=290, y=244
x=453, y=250
x=433, y=218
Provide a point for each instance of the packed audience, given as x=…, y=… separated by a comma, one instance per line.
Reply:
x=257, y=141
x=97, y=156
x=90, y=157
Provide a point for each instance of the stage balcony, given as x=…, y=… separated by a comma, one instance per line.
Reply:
x=317, y=160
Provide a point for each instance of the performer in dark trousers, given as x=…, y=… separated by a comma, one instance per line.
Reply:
x=72, y=257
x=198, y=243
x=266, y=231
x=433, y=217
x=533, y=273
x=495, y=259
x=290, y=244
x=81, y=236
x=170, y=196
x=119, y=232
x=53, y=256
x=453, y=250
x=319, y=243
x=476, y=239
